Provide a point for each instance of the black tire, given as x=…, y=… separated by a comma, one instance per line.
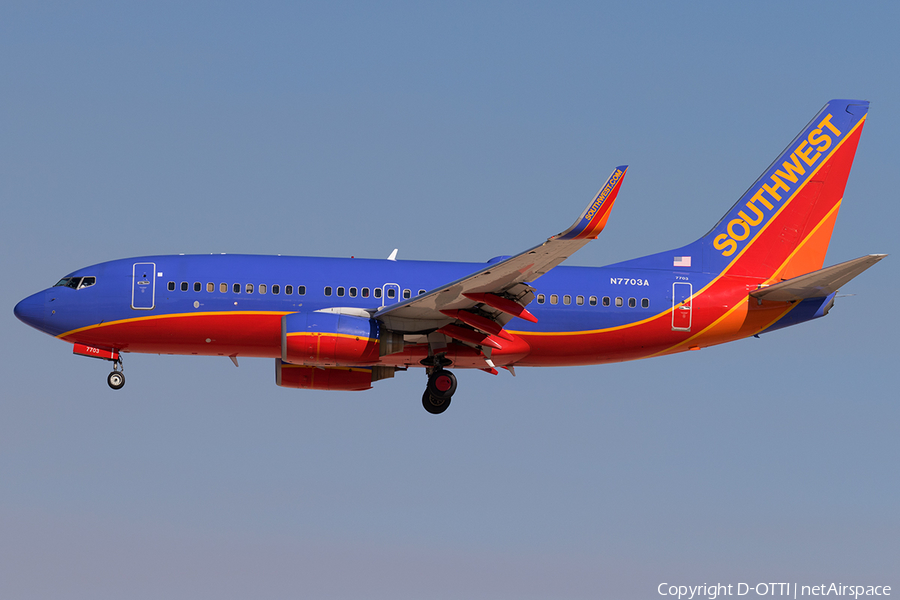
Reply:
x=441, y=384
x=434, y=405
x=116, y=380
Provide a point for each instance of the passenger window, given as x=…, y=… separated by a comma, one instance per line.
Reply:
x=301, y=290
x=184, y=286
x=579, y=300
x=353, y=292
x=276, y=289
x=593, y=300
x=340, y=290
x=567, y=299
x=632, y=303
x=377, y=292
x=421, y=292
x=198, y=286
x=554, y=299
x=392, y=293
x=171, y=286
x=619, y=302
x=288, y=290
x=365, y=292
x=407, y=294
x=645, y=302
x=210, y=287
x=540, y=299
x=327, y=290
x=249, y=288
x=605, y=300
x=223, y=288
x=236, y=288
x=262, y=288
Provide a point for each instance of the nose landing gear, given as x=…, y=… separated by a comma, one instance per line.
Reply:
x=116, y=379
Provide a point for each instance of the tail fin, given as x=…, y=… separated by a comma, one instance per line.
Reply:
x=781, y=226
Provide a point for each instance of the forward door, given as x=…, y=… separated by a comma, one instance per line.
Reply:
x=143, y=286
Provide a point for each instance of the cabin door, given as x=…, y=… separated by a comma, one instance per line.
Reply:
x=143, y=286
x=681, y=306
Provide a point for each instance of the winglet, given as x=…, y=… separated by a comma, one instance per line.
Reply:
x=593, y=219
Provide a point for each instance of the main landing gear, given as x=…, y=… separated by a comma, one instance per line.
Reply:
x=440, y=388
x=116, y=379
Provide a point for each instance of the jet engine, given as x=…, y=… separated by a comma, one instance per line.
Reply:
x=328, y=339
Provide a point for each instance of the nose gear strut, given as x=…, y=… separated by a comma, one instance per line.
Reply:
x=116, y=379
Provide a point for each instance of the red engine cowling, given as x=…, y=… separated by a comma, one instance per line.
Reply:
x=327, y=339
x=351, y=379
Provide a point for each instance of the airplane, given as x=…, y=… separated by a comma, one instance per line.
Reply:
x=346, y=323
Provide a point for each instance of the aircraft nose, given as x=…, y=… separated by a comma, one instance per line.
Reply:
x=33, y=310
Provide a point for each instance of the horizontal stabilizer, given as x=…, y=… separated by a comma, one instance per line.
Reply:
x=817, y=284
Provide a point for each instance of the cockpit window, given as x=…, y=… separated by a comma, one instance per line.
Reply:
x=69, y=282
x=76, y=283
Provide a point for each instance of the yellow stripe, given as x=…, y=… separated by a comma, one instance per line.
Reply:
x=173, y=316
x=590, y=331
x=721, y=274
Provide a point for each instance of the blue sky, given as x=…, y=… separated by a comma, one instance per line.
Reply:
x=454, y=131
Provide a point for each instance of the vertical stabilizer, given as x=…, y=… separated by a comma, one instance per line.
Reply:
x=780, y=228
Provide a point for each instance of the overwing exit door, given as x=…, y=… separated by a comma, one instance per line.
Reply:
x=390, y=293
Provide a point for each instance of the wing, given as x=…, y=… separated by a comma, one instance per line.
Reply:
x=486, y=300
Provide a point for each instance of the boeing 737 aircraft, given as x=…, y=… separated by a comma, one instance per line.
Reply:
x=343, y=324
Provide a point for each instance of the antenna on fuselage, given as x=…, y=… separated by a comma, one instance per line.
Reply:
x=393, y=255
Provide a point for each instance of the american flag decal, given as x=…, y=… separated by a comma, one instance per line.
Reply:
x=682, y=261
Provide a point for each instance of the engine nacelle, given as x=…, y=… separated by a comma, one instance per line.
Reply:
x=351, y=379
x=327, y=339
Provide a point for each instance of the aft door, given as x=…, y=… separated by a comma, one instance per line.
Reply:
x=143, y=286
x=681, y=306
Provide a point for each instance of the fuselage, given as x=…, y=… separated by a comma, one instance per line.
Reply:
x=232, y=305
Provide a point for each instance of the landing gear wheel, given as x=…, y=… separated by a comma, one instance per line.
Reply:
x=434, y=405
x=441, y=384
x=116, y=380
